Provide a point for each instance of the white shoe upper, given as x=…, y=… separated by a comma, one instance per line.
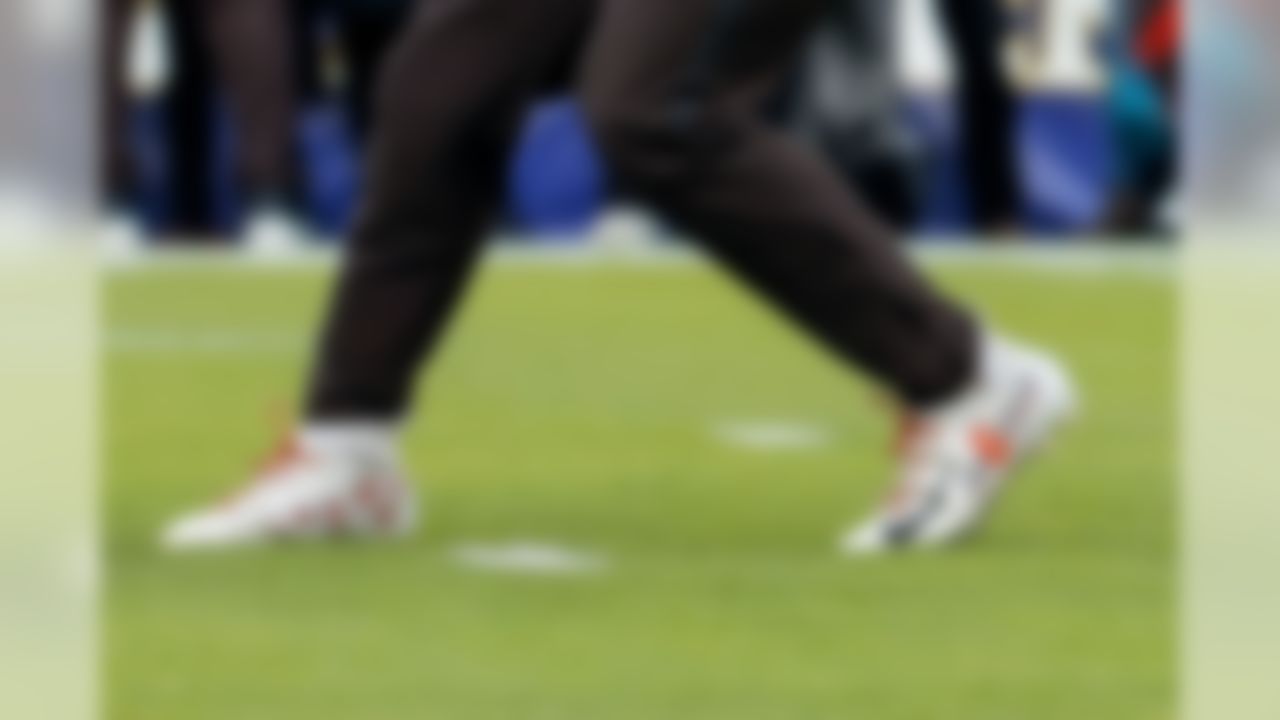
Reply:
x=955, y=460
x=303, y=494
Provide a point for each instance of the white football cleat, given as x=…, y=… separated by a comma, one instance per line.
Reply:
x=304, y=494
x=956, y=460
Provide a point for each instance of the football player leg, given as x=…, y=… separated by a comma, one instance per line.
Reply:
x=672, y=91
x=449, y=102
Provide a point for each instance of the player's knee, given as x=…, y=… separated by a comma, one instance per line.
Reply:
x=654, y=151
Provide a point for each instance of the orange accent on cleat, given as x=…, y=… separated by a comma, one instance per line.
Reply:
x=286, y=452
x=992, y=446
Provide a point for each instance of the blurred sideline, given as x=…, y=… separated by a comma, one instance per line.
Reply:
x=1078, y=257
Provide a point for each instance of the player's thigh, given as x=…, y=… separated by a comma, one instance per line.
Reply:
x=677, y=57
x=478, y=49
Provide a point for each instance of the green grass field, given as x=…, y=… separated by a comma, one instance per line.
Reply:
x=577, y=405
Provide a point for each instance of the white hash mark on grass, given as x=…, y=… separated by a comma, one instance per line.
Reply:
x=772, y=435
x=529, y=557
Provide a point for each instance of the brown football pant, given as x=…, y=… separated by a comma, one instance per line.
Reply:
x=671, y=89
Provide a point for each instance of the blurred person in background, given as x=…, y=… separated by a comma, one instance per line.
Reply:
x=1144, y=107
x=845, y=99
x=988, y=109
x=674, y=94
x=115, y=164
x=238, y=48
x=364, y=31
x=339, y=48
x=848, y=101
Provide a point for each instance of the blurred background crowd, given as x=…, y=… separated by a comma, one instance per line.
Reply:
x=243, y=120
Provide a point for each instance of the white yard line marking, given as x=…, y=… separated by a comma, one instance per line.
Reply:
x=529, y=557
x=772, y=435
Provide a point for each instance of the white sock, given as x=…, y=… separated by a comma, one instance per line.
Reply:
x=376, y=439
